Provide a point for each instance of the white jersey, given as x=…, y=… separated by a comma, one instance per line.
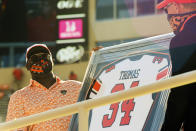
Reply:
x=121, y=75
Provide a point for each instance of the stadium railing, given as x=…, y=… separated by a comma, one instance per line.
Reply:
x=84, y=107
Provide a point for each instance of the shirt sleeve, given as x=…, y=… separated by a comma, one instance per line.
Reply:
x=16, y=109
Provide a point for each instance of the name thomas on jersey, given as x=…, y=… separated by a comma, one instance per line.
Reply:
x=129, y=74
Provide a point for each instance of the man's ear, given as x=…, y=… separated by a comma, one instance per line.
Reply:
x=181, y=9
x=27, y=65
x=178, y=7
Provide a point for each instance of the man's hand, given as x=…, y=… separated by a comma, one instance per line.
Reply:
x=95, y=49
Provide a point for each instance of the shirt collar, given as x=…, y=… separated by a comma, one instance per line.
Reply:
x=34, y=83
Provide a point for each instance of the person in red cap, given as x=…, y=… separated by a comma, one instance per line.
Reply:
x=181, y=15
x=73, y=76
x=46, y=91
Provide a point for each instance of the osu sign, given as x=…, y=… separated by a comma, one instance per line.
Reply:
x=67, y=4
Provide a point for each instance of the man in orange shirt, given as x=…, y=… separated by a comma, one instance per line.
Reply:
x=45, y=91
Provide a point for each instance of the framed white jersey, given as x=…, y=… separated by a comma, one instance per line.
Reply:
x=121, y=67
x=121, y=75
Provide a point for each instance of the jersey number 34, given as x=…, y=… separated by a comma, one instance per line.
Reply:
x=127, y=106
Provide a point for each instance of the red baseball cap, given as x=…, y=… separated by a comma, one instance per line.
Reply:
x=36, y=48
x=164, y=3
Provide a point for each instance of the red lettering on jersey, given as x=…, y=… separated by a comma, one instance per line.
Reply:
x=127, y=106
x=134, y=84
x=108, y=121
x=162, y=74
x=118, y=87
x=158, y=59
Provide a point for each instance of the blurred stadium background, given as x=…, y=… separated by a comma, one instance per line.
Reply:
x=103, y=23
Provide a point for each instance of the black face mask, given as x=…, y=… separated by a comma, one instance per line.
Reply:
x=40, y=64
x=177, y=20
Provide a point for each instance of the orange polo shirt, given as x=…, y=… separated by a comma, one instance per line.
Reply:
x=36, y=98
